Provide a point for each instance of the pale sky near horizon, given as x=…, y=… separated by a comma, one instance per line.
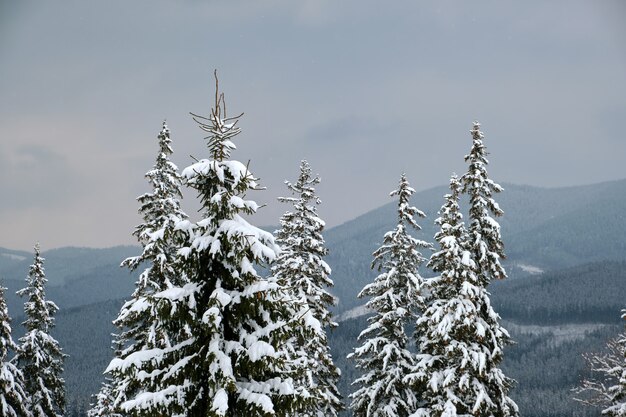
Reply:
x=363, y=90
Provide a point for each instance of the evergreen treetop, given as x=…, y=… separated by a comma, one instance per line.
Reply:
x=39, y=311
x=302, y=248
x=161, y=211
x=399, y=256
x=484, y=231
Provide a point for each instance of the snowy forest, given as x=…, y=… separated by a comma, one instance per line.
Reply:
x=226, y=318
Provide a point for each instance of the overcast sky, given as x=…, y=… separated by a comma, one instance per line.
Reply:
x=363, y=90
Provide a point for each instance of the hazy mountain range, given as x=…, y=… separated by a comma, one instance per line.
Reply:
x=542, y=229
x=566, y=251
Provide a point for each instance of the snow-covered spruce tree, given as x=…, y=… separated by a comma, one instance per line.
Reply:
x=13, y=397
x=150, y=324
x=608, y=389
x=396, y=297
x=230, y=365
x=104, y=405
x=485, y=242
x=301, y=268
x=485, y=249
x=39, y=355
x=458, y=337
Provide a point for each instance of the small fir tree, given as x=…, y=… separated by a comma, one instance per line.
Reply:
x=148, y=322
x=301, y=268
x=396, y=297
x=13, y=397
x=39, y=356
x=458, y=337
x=608, y=389
x=226, y=361
x=104, y=405
x=107, y=400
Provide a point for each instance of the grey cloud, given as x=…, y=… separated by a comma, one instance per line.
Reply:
x=34, y=176
x=362, y=90
x=353, y=129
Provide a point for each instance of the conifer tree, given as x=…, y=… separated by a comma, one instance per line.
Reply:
x=226, y=360
x=13, y=397
x=104, y=405
x=39, y=355
x=396, y=297
x=302, y=269
x=148, y=325
x=458, y=337
x=608, y=389
x=478, y=338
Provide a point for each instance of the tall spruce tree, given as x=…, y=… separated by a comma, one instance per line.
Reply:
x=302, y=269
x=13, y=396
x=148, y=323
x=39, y=355
x=227, y=361
x=396, y=297
x=458, y=337
x=607, y=389
x=484, y=248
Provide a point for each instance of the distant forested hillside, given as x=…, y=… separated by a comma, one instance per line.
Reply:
x=63, y=265
x=100, y=283
x=590, y=293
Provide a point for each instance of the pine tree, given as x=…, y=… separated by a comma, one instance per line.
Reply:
x=39, y=356
x=396, y=297
x=458, y=337
x=13, y=397
x=608, y=390
x=147, y=321
x=226, y=361
x=301, y=268
x=484, y=387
